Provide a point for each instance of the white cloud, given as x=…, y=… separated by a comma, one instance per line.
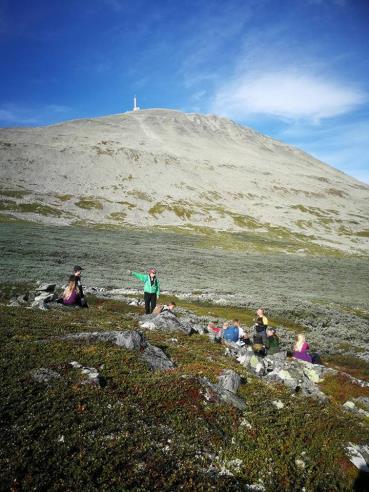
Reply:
x=289, y=94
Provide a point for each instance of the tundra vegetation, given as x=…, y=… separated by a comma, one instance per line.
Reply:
x=147, y=430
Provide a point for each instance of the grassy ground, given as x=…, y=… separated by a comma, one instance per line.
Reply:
x=153, y=431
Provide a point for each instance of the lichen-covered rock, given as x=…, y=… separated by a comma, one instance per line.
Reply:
x=44, y=375
x=229, y=380
x=46, y=288
x=214, y=393
x=313, y=372
x=131, y=340
x=156, y=358
x=359, y=456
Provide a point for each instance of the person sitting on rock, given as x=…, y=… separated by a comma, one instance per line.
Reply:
x=261, y=321
x=258, y=344
x=77, y=273
x=168, y=308
x=71, y=296
x=214, y=328
x=151, y=288
x=301, y=349
x=272, y=341
x=234, y=332
x=165, y=308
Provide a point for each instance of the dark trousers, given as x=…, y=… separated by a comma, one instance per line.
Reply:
x=150, y=302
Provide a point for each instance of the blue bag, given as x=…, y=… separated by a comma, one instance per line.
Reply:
x=231, y=334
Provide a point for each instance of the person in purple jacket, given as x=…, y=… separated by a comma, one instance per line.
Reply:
x=301, y=349
x=71, y=294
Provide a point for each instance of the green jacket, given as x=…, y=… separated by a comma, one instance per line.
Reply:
x=272, y=344
x=152, y=289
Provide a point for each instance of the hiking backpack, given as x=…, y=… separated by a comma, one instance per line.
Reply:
x=231, y=334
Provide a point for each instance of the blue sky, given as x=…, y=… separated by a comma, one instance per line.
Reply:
x=297, y=70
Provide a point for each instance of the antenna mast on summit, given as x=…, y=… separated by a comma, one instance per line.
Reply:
x=135, y=107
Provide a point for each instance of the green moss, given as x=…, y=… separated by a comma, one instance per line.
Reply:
x=245, y=221
x=181, y=209
x=64, y=198
x=15, y=193
x=120, y=216
x=34, y=207
x=129, y=205
x=141, y=195
x=5, y=218
x=89, y=203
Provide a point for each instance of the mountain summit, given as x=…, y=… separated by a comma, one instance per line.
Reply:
x=171, y=169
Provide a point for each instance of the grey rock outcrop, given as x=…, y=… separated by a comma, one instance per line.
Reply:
x=166, y=321
x=154, y=357
x=215, y=393
x=229, y=380
x=45, y=375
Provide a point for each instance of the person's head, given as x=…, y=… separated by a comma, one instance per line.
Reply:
x=71, y=285
x=225, y=324
x=260, y=313
x=236, y=322
x=299, y=342
x=270, y=332
x=171, y=305
x=77, y=270
x=152, y=272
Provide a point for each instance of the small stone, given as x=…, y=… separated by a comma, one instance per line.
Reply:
x=148, y=325
x=300, y=464
x=278, y=404
x=349, y=405
x=44, y=375
x=75, y=365
x=46, y=288
x=245, y=423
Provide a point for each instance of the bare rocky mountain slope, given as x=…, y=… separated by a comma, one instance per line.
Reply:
x=179, y=170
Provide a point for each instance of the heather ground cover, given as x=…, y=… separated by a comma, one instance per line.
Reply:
x=149, y=431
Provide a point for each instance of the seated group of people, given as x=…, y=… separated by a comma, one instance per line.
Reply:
x=264, y=340
x=73, y=293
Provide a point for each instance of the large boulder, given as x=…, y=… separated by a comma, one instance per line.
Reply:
x=130, y=340
x=215, y=393
x=313, y=372
x=166, y=321
x=229, y=380
x=156, y=358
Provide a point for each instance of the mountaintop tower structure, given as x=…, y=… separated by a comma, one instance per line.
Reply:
x=135, y=107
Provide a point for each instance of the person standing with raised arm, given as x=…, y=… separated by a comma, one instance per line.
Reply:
x=151, y=288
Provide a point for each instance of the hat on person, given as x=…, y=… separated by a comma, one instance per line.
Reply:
x=77, y=268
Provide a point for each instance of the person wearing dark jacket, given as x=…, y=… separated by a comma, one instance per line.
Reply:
x=272, y=342
x=77, y=273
